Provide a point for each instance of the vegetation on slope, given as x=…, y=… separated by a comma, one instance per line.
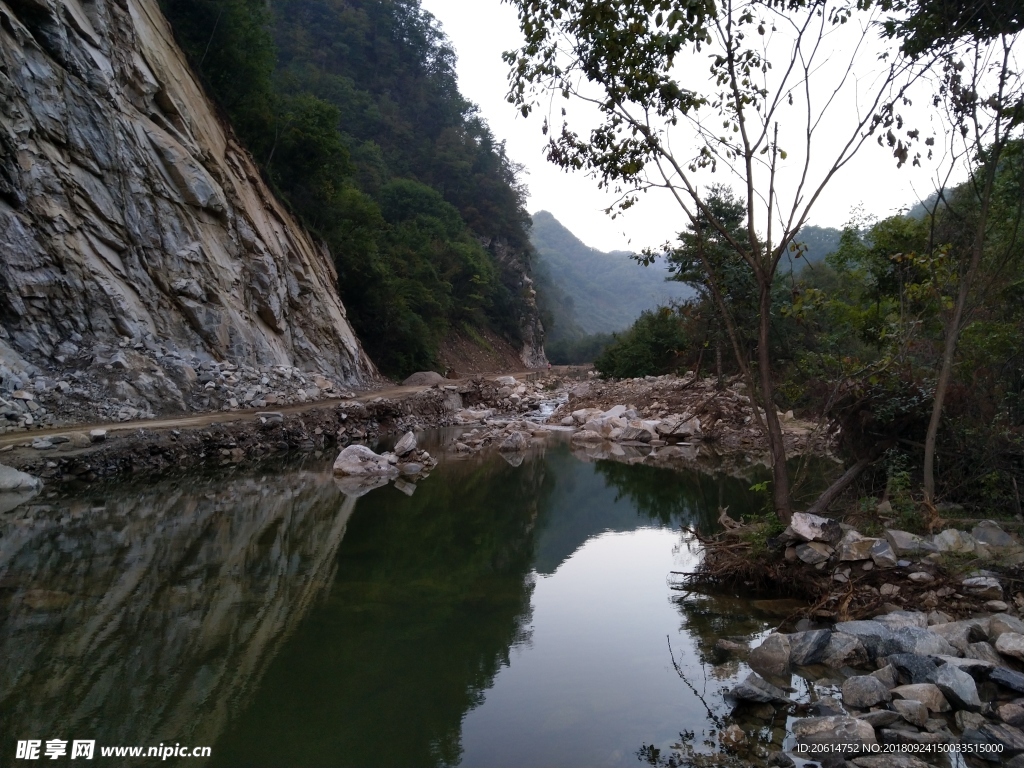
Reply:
x=352, y=110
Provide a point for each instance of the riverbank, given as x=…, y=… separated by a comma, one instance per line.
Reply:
x=690, y=413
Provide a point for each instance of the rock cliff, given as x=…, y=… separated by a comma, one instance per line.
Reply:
x=131, y=218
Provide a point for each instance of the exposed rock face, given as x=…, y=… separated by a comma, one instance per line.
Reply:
x=128, y=211
x=516, y=263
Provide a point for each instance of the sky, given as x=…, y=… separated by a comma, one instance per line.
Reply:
x=480, y=30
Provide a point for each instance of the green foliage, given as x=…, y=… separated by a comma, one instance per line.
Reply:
x=352, y=109
x=652, y=347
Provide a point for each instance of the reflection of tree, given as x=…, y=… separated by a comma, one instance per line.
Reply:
x=431, y=593
x=683, y=496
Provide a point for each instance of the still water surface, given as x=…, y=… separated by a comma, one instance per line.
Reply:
x=499, y=616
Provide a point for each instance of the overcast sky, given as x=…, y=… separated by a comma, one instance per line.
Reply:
x=481, y=30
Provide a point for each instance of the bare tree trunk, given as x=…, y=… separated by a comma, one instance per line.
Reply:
x=953, y=332
x=718, y=361
x=776, y=443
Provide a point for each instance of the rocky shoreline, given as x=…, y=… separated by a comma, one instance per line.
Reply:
x=906, y=687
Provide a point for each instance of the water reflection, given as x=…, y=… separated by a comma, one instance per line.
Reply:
x=147, y=616
x=284, y=622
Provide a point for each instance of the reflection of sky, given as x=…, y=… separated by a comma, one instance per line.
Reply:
x=596, y=681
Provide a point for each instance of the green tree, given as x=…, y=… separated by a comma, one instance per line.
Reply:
x=628, y=59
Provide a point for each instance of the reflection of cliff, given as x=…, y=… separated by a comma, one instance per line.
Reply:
x=150, y=616
x=431, y=593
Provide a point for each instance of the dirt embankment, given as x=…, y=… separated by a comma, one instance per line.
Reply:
x=99, y=451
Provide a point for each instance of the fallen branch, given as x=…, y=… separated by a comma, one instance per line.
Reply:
x=835, y=490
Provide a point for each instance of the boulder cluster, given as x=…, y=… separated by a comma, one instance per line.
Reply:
x=361, y=469
x=916, y=678
x=671, y=409
x=903, y=678
x=623, y=424
x=828, y=545
x=507, y=395
x=119, y=384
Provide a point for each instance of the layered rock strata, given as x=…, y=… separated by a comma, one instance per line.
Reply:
x=130, y=218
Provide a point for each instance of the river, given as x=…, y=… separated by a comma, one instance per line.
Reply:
x=499, y=615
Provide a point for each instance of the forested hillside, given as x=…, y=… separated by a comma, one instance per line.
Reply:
x=585, y=291
x=352, y=110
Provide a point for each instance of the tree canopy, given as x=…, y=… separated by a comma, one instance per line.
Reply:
x=352, y=110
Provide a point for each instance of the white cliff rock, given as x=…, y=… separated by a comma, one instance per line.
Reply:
x=129, y=214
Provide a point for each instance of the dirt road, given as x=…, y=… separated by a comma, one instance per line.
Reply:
x=207, y=418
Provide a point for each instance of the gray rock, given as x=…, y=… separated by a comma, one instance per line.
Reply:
x=960, y=634
x=854, y=733
x=864, y=691
x=880, y=718
x=636, y=434
x=969, y=720
x=406, y=445
x=904, y=543
x=953, y=540
x=844, y=650
x=806, y=648
x=888, y=676
x=927, y=693
x=983, y=587
x=814, y=552
x=779, y=759
x=923, y=642
x=1009, y=738
x=771, y=657
x=515, y=442
x=1011, y=644
x=854, y=547
x=411, y=468
x=984, y=652
x=1016, y=762
x=976, y=668
x=914, y=712
x=1012, y=713
x=806, y=527
x=424, y=379
x=913, y=737
x=989, y=533
x=359, y=460
x=1003, y=623
x=877, y=639
x=13, y=480
x=900, y=619
x=758, y=690
x=958, y=687
x=1007, y=678
x=882, y=554
x=826, y=706
x=913, y=668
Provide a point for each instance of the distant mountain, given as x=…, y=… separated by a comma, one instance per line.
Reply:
x=582, y=290
x=820, y=242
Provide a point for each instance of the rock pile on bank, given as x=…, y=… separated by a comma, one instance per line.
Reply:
x=919, y=678
x=135, y=381
x=671, y=409
x=904, y=678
